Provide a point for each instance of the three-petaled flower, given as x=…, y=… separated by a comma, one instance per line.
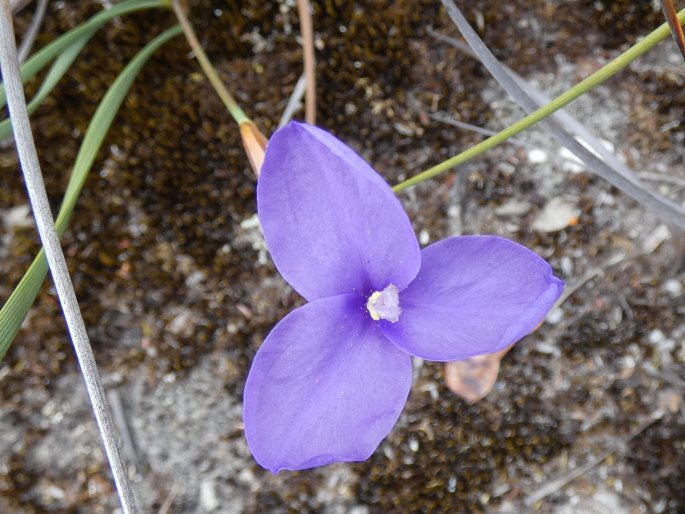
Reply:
x=330, y=380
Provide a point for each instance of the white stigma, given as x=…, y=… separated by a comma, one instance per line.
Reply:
x=385, y=304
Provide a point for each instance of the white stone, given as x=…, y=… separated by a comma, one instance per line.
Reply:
x=513, y=207
x=555, y=317
x=424, y=237
x=656, y=336
x=555, y=216
x=537, y=156
x=673, y=287
x=208, y=499
x=655, y=238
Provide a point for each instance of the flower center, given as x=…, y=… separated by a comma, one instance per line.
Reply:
x=385, y=304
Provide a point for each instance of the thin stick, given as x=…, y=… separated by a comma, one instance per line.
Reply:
x=672, y=18
x=32, y=31
x=169, y=501
x=121, y=423
x=658, y=177
x=447, y=120
x=294, y=103
x=309, y=60
x=28, y=158
x=227, y=98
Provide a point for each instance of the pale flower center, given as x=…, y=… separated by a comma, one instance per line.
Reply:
x=385, y=304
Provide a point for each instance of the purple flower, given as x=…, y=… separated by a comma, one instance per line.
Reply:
x=330, y=380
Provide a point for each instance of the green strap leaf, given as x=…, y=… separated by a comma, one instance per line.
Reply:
x=47, y=54
x=17, y=306
x=57, y=71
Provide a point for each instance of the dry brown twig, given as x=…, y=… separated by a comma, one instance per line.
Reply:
x=169, y=500
x=676, y=29
x=304, y=11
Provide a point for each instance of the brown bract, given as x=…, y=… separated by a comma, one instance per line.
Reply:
x=472, y=379
x=255, y=145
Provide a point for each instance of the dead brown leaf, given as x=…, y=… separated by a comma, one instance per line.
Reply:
x=472, y=379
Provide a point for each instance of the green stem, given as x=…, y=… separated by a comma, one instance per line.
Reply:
x=583, y=87
x=236, y=112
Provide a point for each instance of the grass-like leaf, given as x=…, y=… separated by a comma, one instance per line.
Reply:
x=17, y=306
x=47, y=54
x=57, y=71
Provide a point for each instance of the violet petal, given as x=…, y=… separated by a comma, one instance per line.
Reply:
x=325, y=386
x=473, y=295
x=331, y=223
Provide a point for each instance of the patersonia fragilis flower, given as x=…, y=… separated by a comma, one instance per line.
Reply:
x=330, y=380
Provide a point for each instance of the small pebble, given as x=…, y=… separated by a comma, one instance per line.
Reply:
x=656, y=336
x=424, y=237
x=208, y=499
x=655, y=238
x=547, y=349
x=555, y=317
x=452, y=484
x=673, y=288
x=567, y=265
x=537, y=156
x=251, y=222
x=513, y=208
x=556, y=215
x=19, y=216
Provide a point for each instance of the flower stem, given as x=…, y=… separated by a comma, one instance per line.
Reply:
x=236, y=112
x=583, y=87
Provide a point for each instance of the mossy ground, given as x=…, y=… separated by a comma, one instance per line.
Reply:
x=168, y=277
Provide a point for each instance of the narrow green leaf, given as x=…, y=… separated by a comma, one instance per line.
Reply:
x=57, y=71
x=17, y=306
x=47, y=54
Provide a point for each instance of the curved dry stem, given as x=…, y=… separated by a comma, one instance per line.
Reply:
x=28, y=159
